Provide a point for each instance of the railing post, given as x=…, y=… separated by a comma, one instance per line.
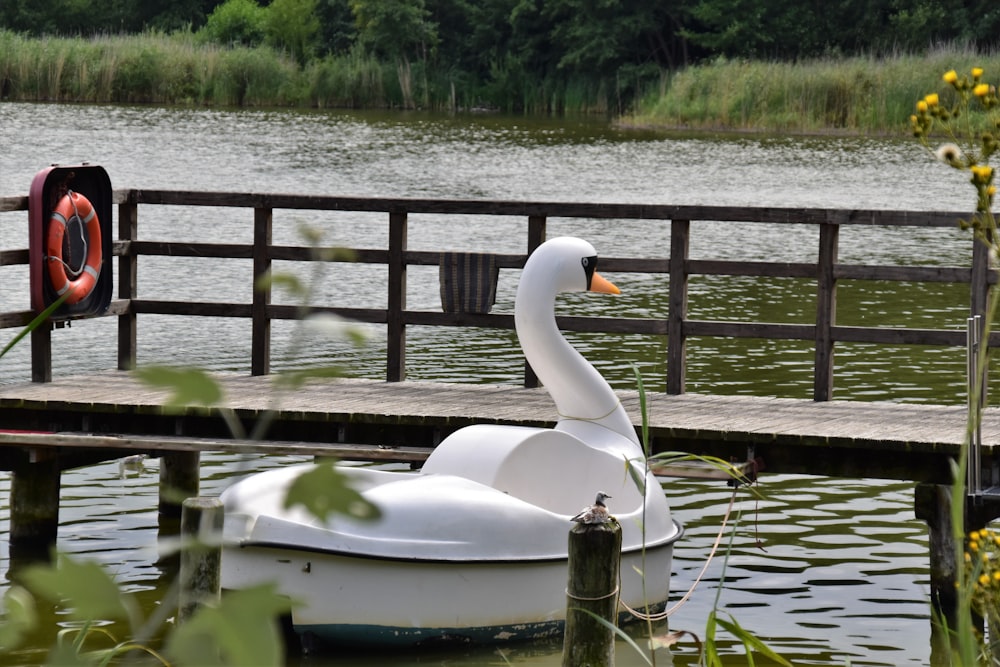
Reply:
x=680, y=238
x=980, y=278
x=41, y=353
x=395, y=324
x=826, y=311
x=260, y=340
x=536, y=237
x=978, y=301
x=128, y=231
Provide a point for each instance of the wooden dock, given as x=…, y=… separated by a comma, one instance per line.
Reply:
x=112, y=414
x=56, y=423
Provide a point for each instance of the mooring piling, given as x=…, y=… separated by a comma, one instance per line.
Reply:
x=34, y=506
x=592, y=594
x=180, y=478
x=201, y=554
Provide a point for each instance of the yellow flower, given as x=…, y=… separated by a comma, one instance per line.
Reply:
x=992, y=190
x=931, y=100
x=983, y=533
x=922, y=106
x=977, y=72
x=981, y=90
x=973, y=546
x=982, y=172
x=951, y=76
x=984, y=580
x=996, y=576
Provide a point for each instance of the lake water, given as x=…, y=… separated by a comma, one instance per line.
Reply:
x=825, y=570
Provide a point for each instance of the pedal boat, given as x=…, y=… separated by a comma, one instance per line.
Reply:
x=473, y=546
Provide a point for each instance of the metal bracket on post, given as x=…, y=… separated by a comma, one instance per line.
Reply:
x=974, y=480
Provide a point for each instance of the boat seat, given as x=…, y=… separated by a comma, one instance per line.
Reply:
x=544, y=467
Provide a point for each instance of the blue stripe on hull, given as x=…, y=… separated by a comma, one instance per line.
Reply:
x=317, y=637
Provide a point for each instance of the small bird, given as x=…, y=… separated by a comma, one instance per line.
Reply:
x=133, y=463
x=596, y=513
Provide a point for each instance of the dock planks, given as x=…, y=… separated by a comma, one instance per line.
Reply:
x=112, y=411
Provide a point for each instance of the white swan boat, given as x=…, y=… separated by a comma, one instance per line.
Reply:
x=472, y=547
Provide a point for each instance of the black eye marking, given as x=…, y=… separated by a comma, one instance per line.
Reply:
x=589, y=265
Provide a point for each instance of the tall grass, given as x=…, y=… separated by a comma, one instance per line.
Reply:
x=860, y=95
x=178, y=69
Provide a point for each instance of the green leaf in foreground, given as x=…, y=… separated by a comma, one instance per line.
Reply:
x=241, y=630
x=188, y=386
x=751, y=642
x=324, y=490
x=18, y=618
x=82, y=586
x=35, y=323
x=618, y=632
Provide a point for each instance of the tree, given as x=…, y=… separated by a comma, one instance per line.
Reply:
x=394, y=28
x=236, y=22
x=337, y=32
x=57, y=17
x=292, y=25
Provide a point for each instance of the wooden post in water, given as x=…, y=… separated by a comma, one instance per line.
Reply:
x=179, y=479
x=932, y=504
x=594, y=560
x=34, y=507
x=201, y=554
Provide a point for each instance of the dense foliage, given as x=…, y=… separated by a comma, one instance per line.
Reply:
x=607, y=50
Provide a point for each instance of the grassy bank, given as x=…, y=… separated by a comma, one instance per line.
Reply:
x=857, y=95
x=179, y=68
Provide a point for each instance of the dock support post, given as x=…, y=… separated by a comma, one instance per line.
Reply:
x=34, y=508
x=179, y=479
x=594, y=561
x=201, y=555
x=932, y=504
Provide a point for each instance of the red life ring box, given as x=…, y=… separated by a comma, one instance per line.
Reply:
x=70, y=240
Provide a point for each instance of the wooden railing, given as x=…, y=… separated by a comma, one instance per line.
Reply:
x=677, y=327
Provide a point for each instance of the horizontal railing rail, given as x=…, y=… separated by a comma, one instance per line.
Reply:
x=826, y=271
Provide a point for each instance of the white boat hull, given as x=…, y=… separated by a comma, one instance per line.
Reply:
x=357, y=600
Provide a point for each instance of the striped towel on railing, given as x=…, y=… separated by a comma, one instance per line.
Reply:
x=468, y=282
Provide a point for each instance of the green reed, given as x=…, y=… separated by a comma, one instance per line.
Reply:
x=859, y=95
x=867, y=94
x=183, y=68
x=180, y=69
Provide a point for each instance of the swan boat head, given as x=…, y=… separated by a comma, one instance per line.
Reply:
x=587, y=406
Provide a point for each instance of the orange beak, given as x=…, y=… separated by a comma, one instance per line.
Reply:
x=599, y=283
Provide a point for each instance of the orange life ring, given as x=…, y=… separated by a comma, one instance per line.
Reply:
x=81, y=280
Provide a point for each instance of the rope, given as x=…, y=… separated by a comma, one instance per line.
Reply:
x=711, y=554
x=602, y=597
x=592, y=419
x=83, y=238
